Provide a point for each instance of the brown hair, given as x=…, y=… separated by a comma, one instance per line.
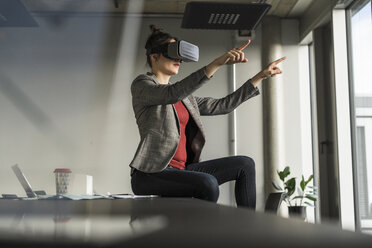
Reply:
x=156, y=38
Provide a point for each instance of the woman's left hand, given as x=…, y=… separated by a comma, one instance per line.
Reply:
x=270, y=71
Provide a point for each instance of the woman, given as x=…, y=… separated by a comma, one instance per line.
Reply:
x=167, y=162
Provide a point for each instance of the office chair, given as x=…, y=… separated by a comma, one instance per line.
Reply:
x=273, y=202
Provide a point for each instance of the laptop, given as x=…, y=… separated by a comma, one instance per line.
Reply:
x=25, y=184
x=274, y=201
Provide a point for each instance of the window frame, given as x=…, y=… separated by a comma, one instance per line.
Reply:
x=353, y=8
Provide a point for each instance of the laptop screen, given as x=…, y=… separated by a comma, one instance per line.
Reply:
x=23, y=180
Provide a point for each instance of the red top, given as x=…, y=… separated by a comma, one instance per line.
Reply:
x=180, y=157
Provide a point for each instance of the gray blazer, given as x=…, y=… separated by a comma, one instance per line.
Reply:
x=158, y=122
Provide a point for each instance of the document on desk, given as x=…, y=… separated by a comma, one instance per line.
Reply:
x=88, y=197
x=73, y=197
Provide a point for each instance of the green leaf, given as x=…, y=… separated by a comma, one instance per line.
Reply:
x=284, y=173
x=312, y=187
x=313, y=195
x=276, y=186
x=309, y=179
x=281, y=175
x=290, y=186
x=309, y=204
x=310, y=197
x=291, y=183
x=302, y=183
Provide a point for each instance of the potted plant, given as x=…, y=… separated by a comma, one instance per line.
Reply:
x=306, y=194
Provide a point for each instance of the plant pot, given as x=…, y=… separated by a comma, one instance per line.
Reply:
x=297, y=211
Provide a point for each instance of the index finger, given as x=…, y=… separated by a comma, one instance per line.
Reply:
x=279, y=60
x=244, y=45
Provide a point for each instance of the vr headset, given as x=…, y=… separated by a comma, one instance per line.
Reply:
x=179, y=51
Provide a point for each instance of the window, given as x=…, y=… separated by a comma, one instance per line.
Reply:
x=360, y=29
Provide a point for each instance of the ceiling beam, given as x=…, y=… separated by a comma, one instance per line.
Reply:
x=282, y=8
x=318, y=14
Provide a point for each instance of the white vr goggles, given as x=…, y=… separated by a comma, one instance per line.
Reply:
x=178, y=50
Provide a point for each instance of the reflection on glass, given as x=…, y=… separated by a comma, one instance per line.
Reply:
x=77, y=229
x=361, y=27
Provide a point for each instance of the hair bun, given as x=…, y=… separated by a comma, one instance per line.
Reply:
x=154, y=29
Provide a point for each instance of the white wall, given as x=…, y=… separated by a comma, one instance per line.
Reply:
x=249, y=116
x=65, y=99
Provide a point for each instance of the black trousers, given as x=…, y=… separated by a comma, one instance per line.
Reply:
x=201, y=180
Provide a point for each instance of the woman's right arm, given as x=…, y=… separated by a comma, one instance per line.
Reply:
x=147, y=92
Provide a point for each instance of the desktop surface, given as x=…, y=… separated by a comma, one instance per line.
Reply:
x=158, y=222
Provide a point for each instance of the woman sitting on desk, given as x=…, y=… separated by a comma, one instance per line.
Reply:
x=166, y=162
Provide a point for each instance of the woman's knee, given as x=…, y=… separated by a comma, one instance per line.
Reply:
x=248, y=164
x=208, y=189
